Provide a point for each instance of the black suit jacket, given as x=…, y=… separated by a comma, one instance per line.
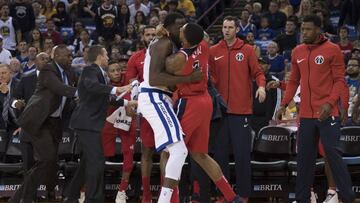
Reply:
x=94, y=99
x=12, y=121
x=26, y=87
x=46, y=99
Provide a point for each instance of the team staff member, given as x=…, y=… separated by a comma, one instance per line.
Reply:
x=319, y=66
x=135, y=71
x=233, y=66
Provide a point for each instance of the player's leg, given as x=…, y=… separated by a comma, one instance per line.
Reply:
x=331, y=195
x=330, y=134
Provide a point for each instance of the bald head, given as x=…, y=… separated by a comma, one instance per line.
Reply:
x=15, y=65
x=41, y=59
x=62, y=56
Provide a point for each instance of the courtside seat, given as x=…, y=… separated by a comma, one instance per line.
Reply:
x=12, y=162
x=349, y=144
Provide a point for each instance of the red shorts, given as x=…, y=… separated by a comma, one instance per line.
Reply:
x=109, y=135
x=146, y=134
x=194, y=113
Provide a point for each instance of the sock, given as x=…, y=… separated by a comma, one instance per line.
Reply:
x=123, y=185
x=225, y=189
x=331, y=190
x=175, y=195
x=165, y=195
x=196, y=187
x=146, y=188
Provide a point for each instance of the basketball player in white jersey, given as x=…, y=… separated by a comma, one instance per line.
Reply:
x=9, y=29
x=155, y=102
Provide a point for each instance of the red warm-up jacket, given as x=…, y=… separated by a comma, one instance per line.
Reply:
x=319, y=68
x=232, y=70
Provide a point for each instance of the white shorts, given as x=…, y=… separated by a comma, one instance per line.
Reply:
x=156, y=107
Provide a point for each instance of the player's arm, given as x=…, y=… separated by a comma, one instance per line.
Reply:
x=175, y=63
x=158, y=75
x=131, y=72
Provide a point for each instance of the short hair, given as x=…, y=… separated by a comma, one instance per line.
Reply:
x=2, y=65
x=293, y=19
x=171, y=18
x=344, y=28
x=312, y=19
x=94, y=52
x=355, y=59
x=232, y=18
x=4, y=4
x=193, y=33
x=257, y=4
x=147, y=27
x=60, y=48
x=111, y=62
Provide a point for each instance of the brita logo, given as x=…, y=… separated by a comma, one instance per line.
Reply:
x=268, y=187
x=356, y=188
x=9, y=187
x=350, y=138
x=274, y=138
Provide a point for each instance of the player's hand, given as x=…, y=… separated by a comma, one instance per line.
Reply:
x=126, y=88
x=196, y=76
x=161, y=31
x=279, y=113
x=261, y=94
x=4, y=88
x=272, y=85
x=20, y=104
x=343, y=116
x=325, y=111
x=130, y=108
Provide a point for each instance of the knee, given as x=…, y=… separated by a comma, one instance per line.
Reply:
x=146, y=154
x=178, y=150
x=199, y=157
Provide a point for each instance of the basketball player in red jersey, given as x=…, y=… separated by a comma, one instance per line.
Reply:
x=194, y=104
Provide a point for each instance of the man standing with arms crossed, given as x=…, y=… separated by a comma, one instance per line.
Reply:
x=135, y=71
x=233, y=67
x=318, y=66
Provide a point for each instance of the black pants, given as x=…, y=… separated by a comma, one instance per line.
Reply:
x=329, y=132
x=44, y=171
x=91, y=169
x=235, y=129
x=27, y=151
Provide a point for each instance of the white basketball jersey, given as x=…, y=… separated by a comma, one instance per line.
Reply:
x=7, y=31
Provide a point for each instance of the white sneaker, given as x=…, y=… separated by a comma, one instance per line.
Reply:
x=313, y=197
x=82, y=197
x=121, y=197
x=331, y=198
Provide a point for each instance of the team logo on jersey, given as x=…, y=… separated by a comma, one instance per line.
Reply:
x=239, y=56
x=5, y=31
x=319, y=60
x=196, y=65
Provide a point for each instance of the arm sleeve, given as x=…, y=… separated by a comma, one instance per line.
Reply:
x=131, y=71
x=255, y=71
x=292, y=84
x=344, y=97
x=337, y=70
x=212, y=69
x=92, y=83
x=50, y=80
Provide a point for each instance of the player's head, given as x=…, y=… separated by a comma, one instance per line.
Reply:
x=98, y=55
x=230, y=28
x=191, y=34
x=114, y=71
x=41, y=59
x=149, y=33
x=63, y=56
x=310, y=28
x=173, y=22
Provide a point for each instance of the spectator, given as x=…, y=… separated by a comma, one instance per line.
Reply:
x=289, y=39
x=107, y=27
x=22, y=52
x=82, y=42
x=172, y=5
x=352, y=80
x=29, y=66
x=15, y=68
x=81, y=61
x=77, y=28
x=154, y=21
x=326, y=26
x=124, y=18
x=286, y=8
x=52, y=33
x=49, y=9
x=265, y=33
x=355, y=53
x=162, y=16
x=48, y=46
x=264, y=112
x=320, y=5
x=36, y=39
x=345, y=44
x=350, y=13
x=334, y=6
x=87, y=10
x=140, y=21
x=23, y=13
x=187, y=7
x=40, y=19
x=135, y=7
x=115, y=54
x=277, y=19
x=149, y=4
x=61, y=18
x=5, y=54
x=256, y=14
x=250, y=38
x=10, y=29
x=162, y=5
x=245, y=25
x=305, y=9
x=276, y=60
x=130, y=38
x=154, y=12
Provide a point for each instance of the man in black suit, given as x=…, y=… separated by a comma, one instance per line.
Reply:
x=42, y=120
x=88, y=120
x=7, y=87
x=24, y=90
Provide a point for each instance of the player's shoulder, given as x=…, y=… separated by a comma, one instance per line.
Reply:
x=138, y=54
